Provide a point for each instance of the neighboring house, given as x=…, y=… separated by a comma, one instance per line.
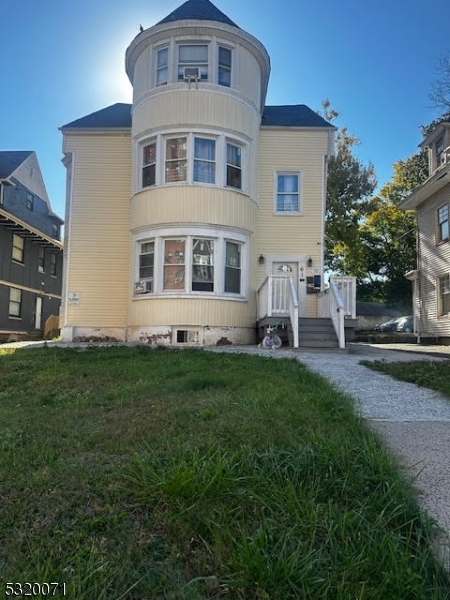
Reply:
x=181, y=205
x=30, y=248
x=373, y=313
x=431, y=280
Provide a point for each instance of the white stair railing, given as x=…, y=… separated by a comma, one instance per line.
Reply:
x=277, y=297
x=293, y=310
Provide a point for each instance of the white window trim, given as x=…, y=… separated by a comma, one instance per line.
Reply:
x=155, y=66
x=440, y=313
x=288, y=213
x=221, y=139
x=220, y=238
x=439, y=239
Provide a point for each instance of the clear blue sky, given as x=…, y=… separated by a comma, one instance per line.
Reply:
x=374, y=59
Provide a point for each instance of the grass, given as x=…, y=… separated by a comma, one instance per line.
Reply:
x=132, y=473
x=425, y=373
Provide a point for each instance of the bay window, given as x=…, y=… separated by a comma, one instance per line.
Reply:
x=234, y=166
x=224, y=71
x=204, y=160
x=191, y=264
x=149, y=165
x=162, y=66
x=176, y=159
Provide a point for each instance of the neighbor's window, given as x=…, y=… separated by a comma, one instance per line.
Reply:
x=162, y=66
x=41, y=259
x=17, y=249
x=234, y=166
x=53, y=260
x=29, y=202
x=1, y=194
x=174, y=264
x=444, y=295
x=15, y=302
x=176, y=159
x=193, y=61
x=287, y=198
x=439, y=149
x=204, y=160
x=442, y=223
x=149, y=165
x=202, y=265
x=224, y=74
x=232, y=268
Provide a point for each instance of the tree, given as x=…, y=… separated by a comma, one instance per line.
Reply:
x=440, y=91
x=350, y=185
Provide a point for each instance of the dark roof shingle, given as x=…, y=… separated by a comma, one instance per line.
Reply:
x=10, y=160
x=295, y=115
x=201, y=10
x=115, y=116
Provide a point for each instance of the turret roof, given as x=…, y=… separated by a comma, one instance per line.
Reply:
x=201, y=10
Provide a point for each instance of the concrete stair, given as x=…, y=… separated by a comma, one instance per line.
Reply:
x=316, y=333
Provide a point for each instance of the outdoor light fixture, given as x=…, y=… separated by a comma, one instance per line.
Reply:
x=261, y=259
x=310, y=262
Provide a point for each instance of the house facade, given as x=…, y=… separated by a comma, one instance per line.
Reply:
x=181, y=205
x=431, y=279
x=30, y=248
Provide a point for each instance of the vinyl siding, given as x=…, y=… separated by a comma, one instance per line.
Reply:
x=98, y=229
x=434, y=261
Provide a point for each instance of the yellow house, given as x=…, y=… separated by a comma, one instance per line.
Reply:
x=197, y=212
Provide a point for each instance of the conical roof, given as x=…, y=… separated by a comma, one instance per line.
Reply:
x=201, y=10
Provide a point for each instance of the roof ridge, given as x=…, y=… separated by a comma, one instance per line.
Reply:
x=202, y=10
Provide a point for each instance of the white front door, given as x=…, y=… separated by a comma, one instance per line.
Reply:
x=38, y=320
x=297, y=270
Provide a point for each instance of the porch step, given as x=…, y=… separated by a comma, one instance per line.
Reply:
x=316, y=333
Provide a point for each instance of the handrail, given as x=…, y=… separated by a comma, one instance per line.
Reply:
x=293, y=305
x=337, y=313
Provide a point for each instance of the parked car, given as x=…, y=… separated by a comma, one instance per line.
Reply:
x=399, y=324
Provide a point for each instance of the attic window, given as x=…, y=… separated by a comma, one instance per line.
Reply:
x=439, y=152
x=29, y=203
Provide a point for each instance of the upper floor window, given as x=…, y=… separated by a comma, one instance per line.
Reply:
x=287, y=193
x=176, y=159
x=442, y=223
x=224, y=71
x=193, y=61
x=41, y=260
x=191, y=158
x=234, y=166
x=1, y=194
x=162, y=66
x=204, y=160
x=444, y=295
x=149, y=165
x=29, y=202
x=439, y=149
x=17, y=248
x=53, y=261
x=233, y=268
x=15, y=302
x=55, y=231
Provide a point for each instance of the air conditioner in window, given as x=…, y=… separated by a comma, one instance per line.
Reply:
x=143, y=287
x=191, y=73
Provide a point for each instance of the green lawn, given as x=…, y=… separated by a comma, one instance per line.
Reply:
x=433, y=374
x=182, y=474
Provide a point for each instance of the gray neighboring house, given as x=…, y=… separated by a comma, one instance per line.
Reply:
x=31, y=252
x=431, y=279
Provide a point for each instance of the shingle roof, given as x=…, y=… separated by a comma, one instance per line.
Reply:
x=115, y=116
x=10, y=160
x=201, y=10
x=296, y=115
x=119, y=115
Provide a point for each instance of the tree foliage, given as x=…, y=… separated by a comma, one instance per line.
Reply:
x=440, y=91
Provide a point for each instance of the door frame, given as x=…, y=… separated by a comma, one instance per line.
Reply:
x=38, y=313
x=300, y=260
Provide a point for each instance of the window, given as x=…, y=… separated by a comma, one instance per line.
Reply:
x=162, y=66
x=176, y=159
x=224, y=74
x=234, y=166
x=149, y=165
x=444, y=295
x=55, y=232
x=29, y=202
x=174, y=264
x=202, y=265
x=17, y=249
x=1, y=194
x=41, y=260
x=204, y=160
x=287, y=199
x=193, y=61
x=232, y=268
x=53, y=264
x=15, y=302
x=146, y=265
x=439, y=149
x=442, y=223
